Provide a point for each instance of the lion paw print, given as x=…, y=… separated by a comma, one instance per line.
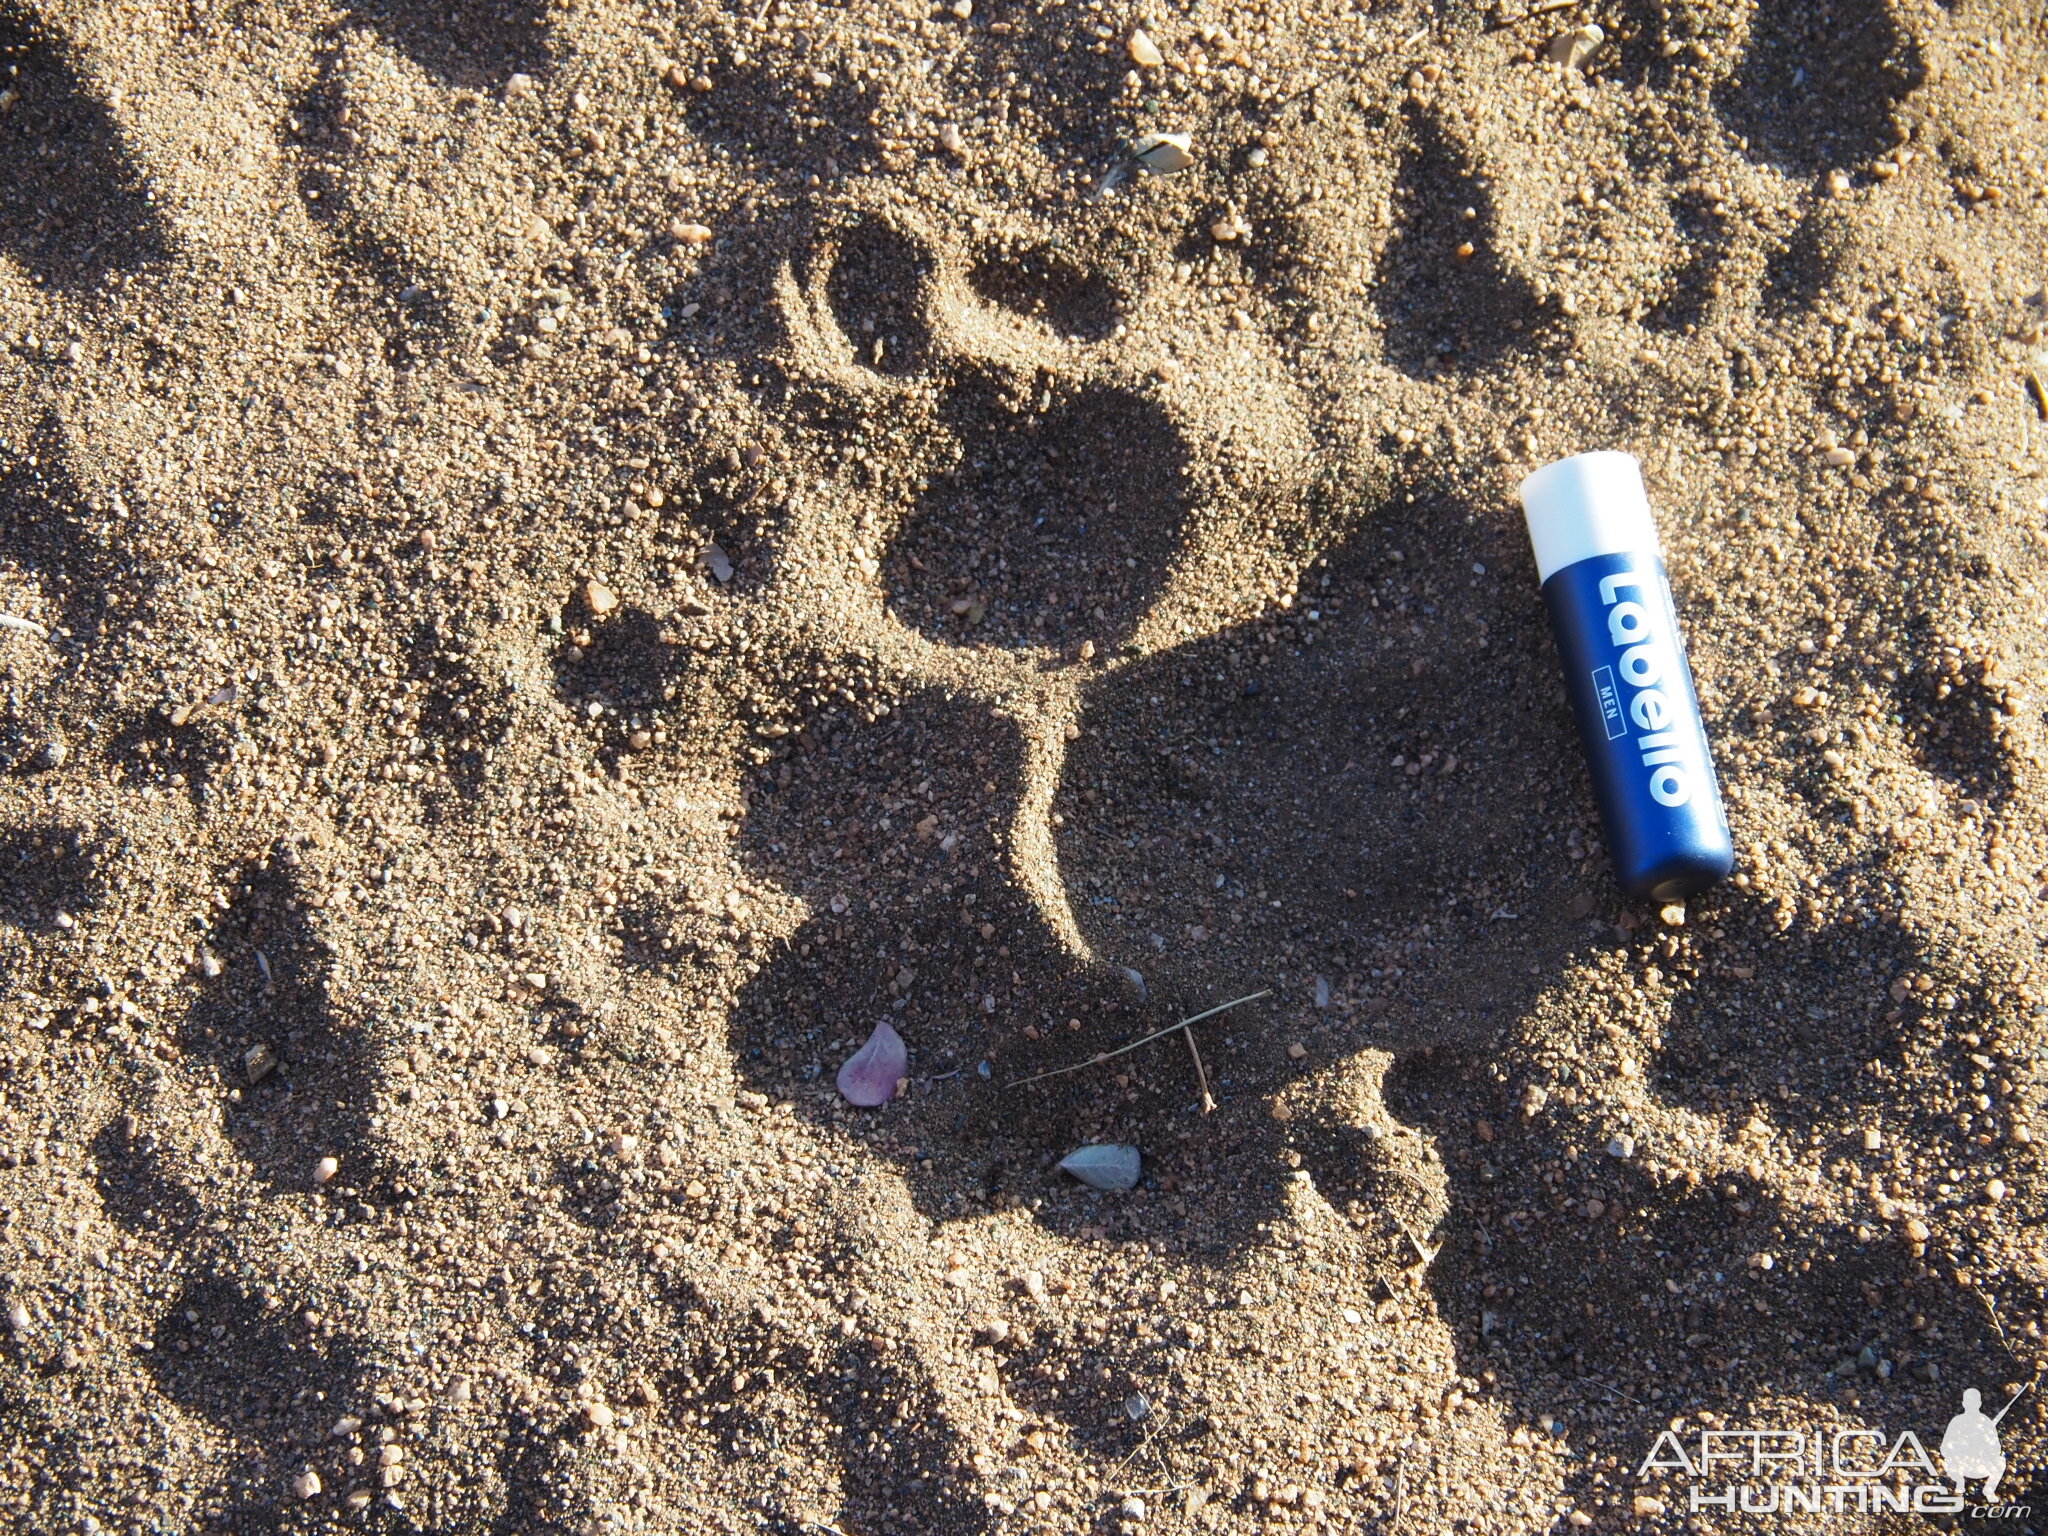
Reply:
x=1115, y=783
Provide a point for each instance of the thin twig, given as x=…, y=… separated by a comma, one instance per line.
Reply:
x=1606, y=1388
x=1992, y=1312
x=1161, y=1034
x=1208, y=1103
x=26, y=626
x=1136, y=1451
x=1166, y=1492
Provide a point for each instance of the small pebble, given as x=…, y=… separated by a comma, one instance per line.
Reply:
x=17, y=1315
x=258, y=1062
x=1673, y=914
x=325, y=1169
x=1623, y=1145
x=1164, y=153
x=1297, y=1051
x=599, y=598
x=1144, y=52
x=1132, y=1508
x=307, y=1484
x=1573, y=48
x=598, y=1415
x=952, y=141
x=1873, y=1139
x=874, y=1074
x=685, y=232
x=1104, y=1165
x=54, y=753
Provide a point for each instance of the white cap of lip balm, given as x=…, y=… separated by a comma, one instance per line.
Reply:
x=1590, y=504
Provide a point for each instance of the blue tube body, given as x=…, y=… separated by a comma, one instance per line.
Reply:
x=1639, y=720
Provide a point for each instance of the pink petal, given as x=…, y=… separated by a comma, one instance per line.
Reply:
x=871, y=1073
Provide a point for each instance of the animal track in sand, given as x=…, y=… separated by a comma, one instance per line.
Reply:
x=1104, y=457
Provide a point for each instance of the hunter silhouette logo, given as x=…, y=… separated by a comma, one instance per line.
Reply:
x=1793, y=1471
x=1969, y=1446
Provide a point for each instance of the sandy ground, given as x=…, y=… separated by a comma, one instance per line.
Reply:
x=589, y=554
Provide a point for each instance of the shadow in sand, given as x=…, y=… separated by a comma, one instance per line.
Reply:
x=221, y=1353
x=622, y=658
x=779, y=115
x=47, y=871
x=1372, y=787
x=894, y=832
x=879, y=289
x=269, y=1390
x=46, y=536
x=1445, y=297
x=1057, y=524
x=1635, y=1284
x=73, y=205
x=1819, y=84
x=899, y=1465
x=1373, y=802
x=1041, y=282
x=271, y=996
x=474, y=43
x=1233, y=817
x=914, y=1476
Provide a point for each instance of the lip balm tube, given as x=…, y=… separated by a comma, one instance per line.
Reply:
x=1603, y=580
